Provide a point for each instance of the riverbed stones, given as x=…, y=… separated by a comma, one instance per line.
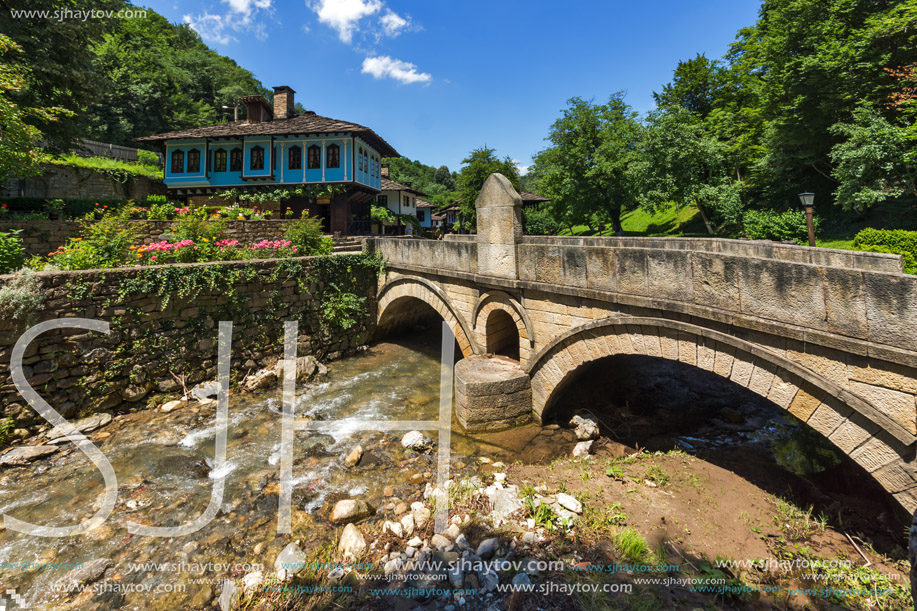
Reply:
x=491, y=394
x=229, y=597
x=205, y=390
x=352, y=543
x=288, y=561
x=440, y=542
x=412, y=440
x=26, y=454
x=585, y=427
x=260, y=380
x=352, y=459
x=407, y=523
x=171, y=405
x=86, y=425
x=582, y=449
x=350, y=510
x=487, y=547
x=421, y=517
x=569, y=502
x=306, y=367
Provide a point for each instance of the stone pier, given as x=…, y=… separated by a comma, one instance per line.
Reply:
x=492, y=393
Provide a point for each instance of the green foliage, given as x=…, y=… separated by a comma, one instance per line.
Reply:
x=160, y=212
x=893, y=241
x=780, y=226
x=114, y=169
x=877, y=160
x=589, y=171
x=147, y=158
x=106, y=243
x=19, y=144
x=382, y=214
x=480, y=164
x=306, y=234
x=263, y=195
x=342, y=309
x=21, y=298
x=538, y=220
x=655, y=474
x=12, y=253
x=6, y=430
x=73, y=207
x=632, y=546
x=437, y=184
x=197, y=226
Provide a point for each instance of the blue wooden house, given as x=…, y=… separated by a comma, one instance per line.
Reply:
x=274, y=147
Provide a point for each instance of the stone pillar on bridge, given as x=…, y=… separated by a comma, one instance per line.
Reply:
x=499, y=212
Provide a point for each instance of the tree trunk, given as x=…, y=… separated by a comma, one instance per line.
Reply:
x=703, y=215
x=616, y=220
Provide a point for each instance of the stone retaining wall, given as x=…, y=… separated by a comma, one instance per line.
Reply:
x=163, y=324
x=42, y=237
x=63, y=182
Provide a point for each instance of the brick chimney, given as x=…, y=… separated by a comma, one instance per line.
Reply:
x=283, y=102
x=383, y=170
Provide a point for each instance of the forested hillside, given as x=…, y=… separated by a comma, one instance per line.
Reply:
x=118, y=79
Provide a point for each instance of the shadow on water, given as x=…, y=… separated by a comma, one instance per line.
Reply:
x=658, y=404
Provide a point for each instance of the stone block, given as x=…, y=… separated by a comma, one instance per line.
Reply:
x=804, y=404
x=899, y=406
x=826, y=419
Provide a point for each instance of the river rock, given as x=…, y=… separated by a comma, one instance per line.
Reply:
x=582, y=449
x=440, y=542
x=456, y=577
x=204, y=390
x=26, y=454
x=306, y=367
x=260, y=380
x=350, y=510
x=90, y=571
x=522, y=580
x=585, y=427
x=421, y=517
x=352, y=543
x=412, y=440
x=504, y=502
x=229, y=598
x=568, y=502
x=487, y=547
x=171, y=405
x=415, y=542
x=462, y=543
x=85, y=425
x=453, y=531
x=395, y=528
x=489, y=580
x=352, y=459
x=251, y=582
x=288, y=561
x=407, y=523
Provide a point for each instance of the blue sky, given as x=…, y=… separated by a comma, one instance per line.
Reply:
x=438, y=79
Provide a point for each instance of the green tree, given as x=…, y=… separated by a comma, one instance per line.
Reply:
x=444, y=177
x=876, y=160
x=20, y=152
x=683, y=162
x=589, y=169
x=480, y=164
x=694, y=87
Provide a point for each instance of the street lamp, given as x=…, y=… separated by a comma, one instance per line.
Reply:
x=807, y=199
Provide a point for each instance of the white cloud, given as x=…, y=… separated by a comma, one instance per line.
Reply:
x=343, y=15
x=385, y=66
x=242, y=17
x=393, y=23
x=522, y=169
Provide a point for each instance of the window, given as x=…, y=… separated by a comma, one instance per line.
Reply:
x=178, y=162
x=315, y=157
x=361, y=160
x=295, y=162
x=407, y=201
x=383, y=200
x=334, y=157
x=194, y=161
x=235, y=160
x=256, y=160
x=219, y=160
x=421, y=216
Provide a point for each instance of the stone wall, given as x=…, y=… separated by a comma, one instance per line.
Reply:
x=60, y=181
x=164, y=327
x=42, y=237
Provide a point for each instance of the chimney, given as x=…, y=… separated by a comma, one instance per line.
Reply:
x=283, y=102
x=383, y=170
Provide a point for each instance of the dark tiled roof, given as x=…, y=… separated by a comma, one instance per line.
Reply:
x=532, y=198
x=309, y=123
x=391, y=185
x=422, y=203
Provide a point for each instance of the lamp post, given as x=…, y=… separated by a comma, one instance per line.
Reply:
x=807, y=199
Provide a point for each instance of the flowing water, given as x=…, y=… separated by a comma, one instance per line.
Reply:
x=164, y=467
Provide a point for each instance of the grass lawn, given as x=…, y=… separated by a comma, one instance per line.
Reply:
x=103, y=164
x=669, y=221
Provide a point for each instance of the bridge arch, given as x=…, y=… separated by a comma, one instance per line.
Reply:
x=488, y=307
x=398, y=302
x=872, y=439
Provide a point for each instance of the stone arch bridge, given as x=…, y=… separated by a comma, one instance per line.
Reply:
x=829, y=335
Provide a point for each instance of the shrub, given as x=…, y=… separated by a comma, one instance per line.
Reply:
x=160, y=212
x=342, y=309
x=106, y=243
x=12, y=254
x=306, y=234
x=147, y=158
x=21, y=298
x=780, y=226
x=891, y=241
x=197, y=226
x=538, y=221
